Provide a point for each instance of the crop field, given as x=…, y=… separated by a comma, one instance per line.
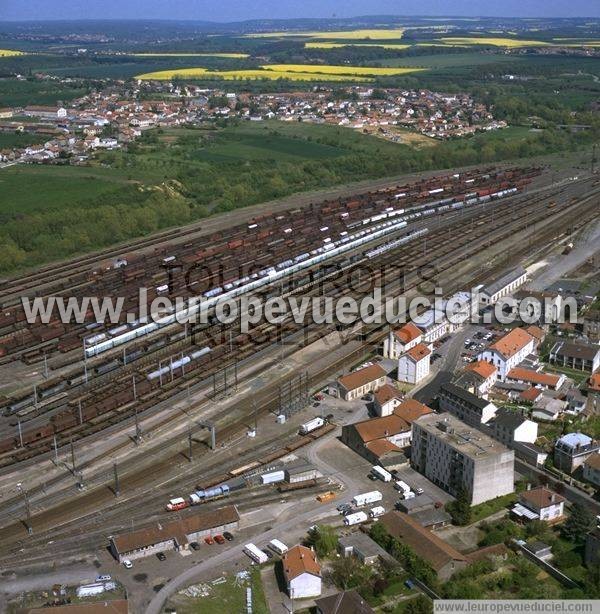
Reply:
x=294, y=72
x=493, y=42
x=374, y=34
x=326, y=45
x=233, y=56
x=8, y=53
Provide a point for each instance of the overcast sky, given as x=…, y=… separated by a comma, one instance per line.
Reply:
x=236, y=10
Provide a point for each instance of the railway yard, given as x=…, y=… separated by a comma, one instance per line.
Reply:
x=142, y=398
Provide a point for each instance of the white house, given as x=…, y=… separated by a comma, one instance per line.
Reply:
x=508, y=351
x=386, y=399
x=401, y=340
x=413, y=366
x=483, y=376
x=510, y=427
x=302, y=572
x=540, y=504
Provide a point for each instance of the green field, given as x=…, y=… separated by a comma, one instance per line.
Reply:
x=8, y=140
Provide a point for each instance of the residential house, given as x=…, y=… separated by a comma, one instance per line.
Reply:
x=302, y=572
x=548, y=408
x=535, y=378
x=441, y=556
x=572, y=450
x=481, y=376
x=510, y=427
x=508, y=351
x=346, y=602
x=413, y=365
x=578, y=356
x=386, y=399
x=359, y=383
x=401, y=340
x=469, y=408
x=591, y=469
x=539, y=503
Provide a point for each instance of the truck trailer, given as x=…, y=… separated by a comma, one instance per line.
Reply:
x=366, y=498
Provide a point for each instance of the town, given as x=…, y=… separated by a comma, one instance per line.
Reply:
x=299, y=311
x=113, y=118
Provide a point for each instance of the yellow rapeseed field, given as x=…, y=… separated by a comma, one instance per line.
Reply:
x=326, y=69
x=496, y=42
x=374, y=34
x=325, y=45
x=231, y=75
x=8, y=53
x=191, y=55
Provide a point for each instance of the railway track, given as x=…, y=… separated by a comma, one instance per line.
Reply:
x=440, y=252
x=269, y=399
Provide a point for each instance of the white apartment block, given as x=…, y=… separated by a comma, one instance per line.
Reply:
x=413, y=366
x=509, y=351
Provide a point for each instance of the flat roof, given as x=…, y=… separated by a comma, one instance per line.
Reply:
x=464, y=439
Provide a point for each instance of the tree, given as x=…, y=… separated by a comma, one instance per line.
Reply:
x=578, y=524
x=347, y=572
x=419, y=605
x=324, y=540
x=460, y=509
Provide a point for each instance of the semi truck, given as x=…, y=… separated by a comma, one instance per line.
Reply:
x=366, y=498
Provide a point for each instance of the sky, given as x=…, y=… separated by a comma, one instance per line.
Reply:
x=239, y=10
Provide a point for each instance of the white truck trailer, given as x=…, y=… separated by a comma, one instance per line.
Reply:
x=377, y=511
x=355, y=518
x=311, y=425
x=381, y=473
x=366, y=498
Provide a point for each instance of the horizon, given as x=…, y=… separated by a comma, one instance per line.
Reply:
x=235, y=11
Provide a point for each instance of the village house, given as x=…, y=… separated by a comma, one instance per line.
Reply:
x=401, y=340
x=572, y=450
x=386, y=399
x=301, y=572
x=578, y=356
x=539, y=503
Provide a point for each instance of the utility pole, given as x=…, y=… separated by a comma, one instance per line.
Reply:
x=55, y=451
x=28, y=513
x=45, y=365
x=134, y=388
x=190, y=445
x=80, y=413
x=20, y=433
x=72, y=455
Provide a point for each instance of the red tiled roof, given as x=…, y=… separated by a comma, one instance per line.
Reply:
x=298, y=560
x=512, y=342
x=482, y=368
x=419, y=352
x=379, y=428
x=381, y=447
x=594, y=383
x=410, y=410
x=533, y=377
x=362, y=377
x=541, y=497
x=531, y=394
x=409, y=332
x=386, y=393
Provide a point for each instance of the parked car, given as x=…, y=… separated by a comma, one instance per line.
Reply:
x=209, y=540
x=127, y=564
x=316, y=404
x=268, y=553
x=195, y=546
x=228, y=536
x=219, y=539
x=419, y=491
x=104, y=578
x=161, y=556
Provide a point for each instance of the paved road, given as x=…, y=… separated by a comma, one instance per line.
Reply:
x=230, y=555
